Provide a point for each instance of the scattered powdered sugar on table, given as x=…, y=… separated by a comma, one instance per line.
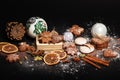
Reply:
x=71, y=67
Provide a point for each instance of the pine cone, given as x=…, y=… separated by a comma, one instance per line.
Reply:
x=15, y=30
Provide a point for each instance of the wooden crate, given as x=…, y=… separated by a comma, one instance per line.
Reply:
x=46, y=46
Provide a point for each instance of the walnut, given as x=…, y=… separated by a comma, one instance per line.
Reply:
x=31, y=49
x=23, y=46
x=12, y=57
x=15, y=30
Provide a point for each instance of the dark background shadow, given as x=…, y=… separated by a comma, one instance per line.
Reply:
x=67, y=9
x=73, y=11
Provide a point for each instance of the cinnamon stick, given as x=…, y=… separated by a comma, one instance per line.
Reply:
x=90, y=62
x=105, y=61
x=97, y=60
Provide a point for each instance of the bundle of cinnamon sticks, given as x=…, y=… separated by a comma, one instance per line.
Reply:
x=95, y=61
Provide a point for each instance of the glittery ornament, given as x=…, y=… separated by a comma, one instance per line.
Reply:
x=68, y=36
x=35, y=26
x=99, y=29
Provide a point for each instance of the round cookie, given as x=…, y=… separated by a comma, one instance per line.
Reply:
x=80, y=41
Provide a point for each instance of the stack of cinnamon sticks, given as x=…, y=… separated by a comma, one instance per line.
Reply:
x=94, y=60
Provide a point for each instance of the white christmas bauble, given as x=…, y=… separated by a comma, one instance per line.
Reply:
x=68, y=36
x=35, y=26
x=99, y=29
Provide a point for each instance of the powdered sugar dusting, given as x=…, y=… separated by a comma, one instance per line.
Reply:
x=73, y=67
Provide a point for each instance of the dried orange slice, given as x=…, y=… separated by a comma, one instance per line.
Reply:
x=51, y=58
x=61, y=53
x=9, y=48
x=2, y=44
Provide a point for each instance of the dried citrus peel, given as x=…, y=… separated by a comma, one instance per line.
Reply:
x=9, y=48
x=2, y=44
x=51, y=58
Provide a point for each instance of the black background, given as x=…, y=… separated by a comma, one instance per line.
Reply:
x=62, y=9
x=60, y=14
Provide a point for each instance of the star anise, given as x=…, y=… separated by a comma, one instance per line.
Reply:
x=12, y=57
